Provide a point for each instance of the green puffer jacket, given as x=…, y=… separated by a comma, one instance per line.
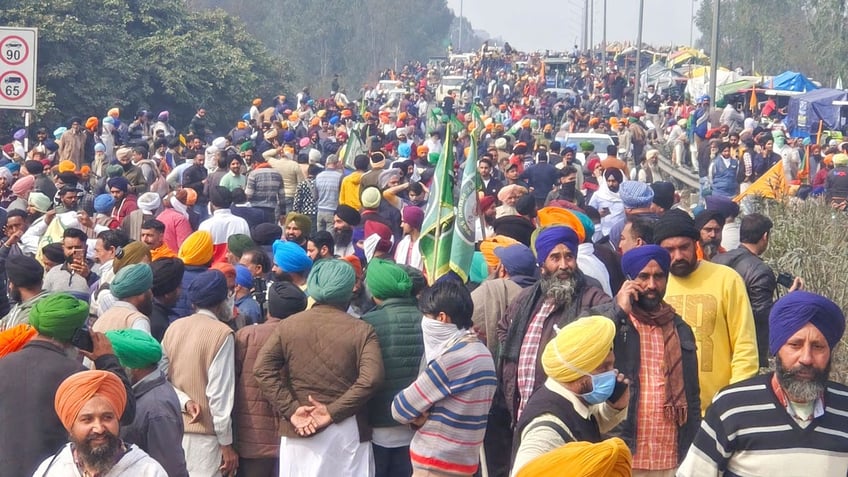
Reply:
x=397, y=322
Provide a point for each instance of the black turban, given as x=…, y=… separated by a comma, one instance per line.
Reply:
x=675, y=223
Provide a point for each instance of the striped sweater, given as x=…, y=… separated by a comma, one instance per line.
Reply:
x=456, y=390
x=748, y=432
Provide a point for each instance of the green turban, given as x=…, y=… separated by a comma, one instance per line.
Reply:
x=587, y=146
x=58, y=316
x=135, y=349
x=114, y=170
x=331, y=282
x=237, y=244
x=132, y=280
x=385, y=279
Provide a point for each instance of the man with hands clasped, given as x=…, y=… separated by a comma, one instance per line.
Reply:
x=318, y=370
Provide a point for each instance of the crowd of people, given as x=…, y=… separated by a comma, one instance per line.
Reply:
x=257, y=304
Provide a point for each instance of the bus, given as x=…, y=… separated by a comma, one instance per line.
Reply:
x=558, y=71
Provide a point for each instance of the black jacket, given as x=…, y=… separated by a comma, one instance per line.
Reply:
x=627, y=348
x=760, y=283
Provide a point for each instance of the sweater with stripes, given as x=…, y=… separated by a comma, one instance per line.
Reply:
x=456, y=390
x=748, y=432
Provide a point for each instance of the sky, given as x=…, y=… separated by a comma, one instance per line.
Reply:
x=556, y=25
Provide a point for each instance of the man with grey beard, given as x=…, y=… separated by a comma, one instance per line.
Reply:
x=790, y=421
x=561, y=295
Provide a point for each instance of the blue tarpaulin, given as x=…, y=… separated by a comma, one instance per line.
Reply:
x=791, y=81
x=806, y=110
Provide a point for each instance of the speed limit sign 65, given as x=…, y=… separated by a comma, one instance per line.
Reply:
x=13, y=85
x=18, y=49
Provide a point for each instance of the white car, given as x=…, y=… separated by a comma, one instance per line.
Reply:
x=600, y=141
x=387, y=85
x=447, y=84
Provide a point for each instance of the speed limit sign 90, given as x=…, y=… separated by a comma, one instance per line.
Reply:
x=18, y=48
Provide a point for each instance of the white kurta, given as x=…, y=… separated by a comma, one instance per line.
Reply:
x=203, y=452
x=408, y=253
x=135, y=463
x=333, y=452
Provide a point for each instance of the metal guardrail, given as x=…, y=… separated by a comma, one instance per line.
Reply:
x=681, y=176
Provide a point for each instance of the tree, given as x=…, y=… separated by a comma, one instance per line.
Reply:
x=97, y=54
x=771, y=36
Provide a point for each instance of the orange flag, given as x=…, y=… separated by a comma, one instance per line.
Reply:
x=772, y=185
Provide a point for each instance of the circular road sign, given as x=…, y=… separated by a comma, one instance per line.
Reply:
x=14, y=50
x=13, y=85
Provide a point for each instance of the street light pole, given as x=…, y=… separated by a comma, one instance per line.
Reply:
x=692, y=27
x=714, y=52
x=586, y=25
x=638, y=54
x=591, y=31
x=460, y=26
x=604, y=43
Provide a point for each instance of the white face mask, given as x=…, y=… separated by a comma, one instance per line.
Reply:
x=439, y=337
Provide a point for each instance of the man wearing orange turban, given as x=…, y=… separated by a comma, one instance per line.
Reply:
x=89, y=404
x=34, y=432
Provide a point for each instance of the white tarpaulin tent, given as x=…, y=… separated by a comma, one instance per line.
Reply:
x=699, y=83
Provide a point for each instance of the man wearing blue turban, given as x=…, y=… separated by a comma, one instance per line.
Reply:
x=656, y=349
x=562, y=294
x=787, y=422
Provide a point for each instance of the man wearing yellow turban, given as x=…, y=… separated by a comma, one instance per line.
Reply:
x=89, y=404
x=583, y=397
x=609, y=458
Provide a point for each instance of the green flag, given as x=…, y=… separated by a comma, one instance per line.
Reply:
x=462, y=242
x=437, y=228
x=352, y=148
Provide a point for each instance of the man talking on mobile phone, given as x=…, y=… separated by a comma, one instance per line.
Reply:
x=75, y=274
x=656, y=348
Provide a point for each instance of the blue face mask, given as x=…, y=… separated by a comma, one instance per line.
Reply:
x=602, y=387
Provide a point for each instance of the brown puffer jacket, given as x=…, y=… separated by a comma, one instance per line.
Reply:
x=256, y=435
x=325, y=353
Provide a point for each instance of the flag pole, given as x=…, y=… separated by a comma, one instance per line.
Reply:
x=432, y=277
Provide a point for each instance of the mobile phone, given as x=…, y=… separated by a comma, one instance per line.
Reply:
x=785, y=279
x=620, y=387
x=82, y=339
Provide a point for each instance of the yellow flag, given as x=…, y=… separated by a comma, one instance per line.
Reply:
x=772, y=184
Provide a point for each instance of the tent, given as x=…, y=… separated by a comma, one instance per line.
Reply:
x=687, y=55
x=660, y=76
x=700, y=80
x=742, y=86
x=790, y=81
x=806, y=110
